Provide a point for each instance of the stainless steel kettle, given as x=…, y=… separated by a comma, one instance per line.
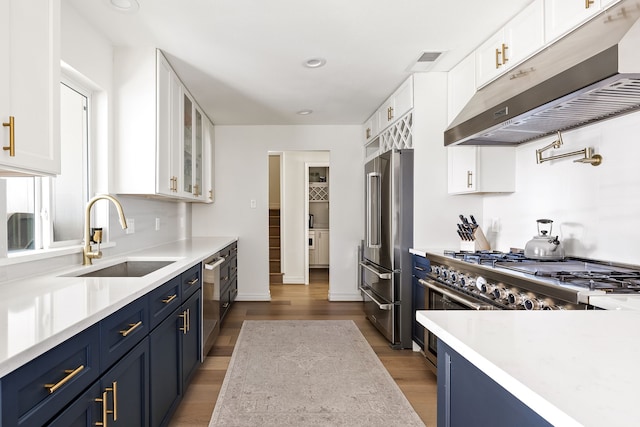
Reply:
x=544, y=246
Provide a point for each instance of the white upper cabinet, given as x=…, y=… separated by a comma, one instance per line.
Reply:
x=160, y=130
x=516, y=41
x=474, y=169
x=562, y=16
x=372, y=127
x=209, y=156
x=396, y=106
x=169, y=94
x=30, y=87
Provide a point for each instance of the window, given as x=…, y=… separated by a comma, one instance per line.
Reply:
x=49, y=212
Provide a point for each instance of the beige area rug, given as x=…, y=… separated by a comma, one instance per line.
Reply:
x=308, y=373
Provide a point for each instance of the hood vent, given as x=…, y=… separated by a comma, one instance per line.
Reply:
x=591, y=74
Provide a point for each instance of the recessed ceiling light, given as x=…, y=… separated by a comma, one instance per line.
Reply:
x=305, y=112
x=128, y=6
x=315, y=62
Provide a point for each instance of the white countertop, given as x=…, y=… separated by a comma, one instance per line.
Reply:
x=574, y=368
x=40, y=312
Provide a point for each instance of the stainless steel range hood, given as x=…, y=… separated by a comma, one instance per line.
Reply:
x=591, y=74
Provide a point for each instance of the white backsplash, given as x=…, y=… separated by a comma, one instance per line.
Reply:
x=594, y=209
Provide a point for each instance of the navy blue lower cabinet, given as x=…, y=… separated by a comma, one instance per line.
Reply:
x=37, y=391
x=191, y=342
x=84, y=411
x=126, y=388
x=165, y=368
x=468, y=397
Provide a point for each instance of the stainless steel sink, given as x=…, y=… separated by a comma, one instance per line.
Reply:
x=126, y=269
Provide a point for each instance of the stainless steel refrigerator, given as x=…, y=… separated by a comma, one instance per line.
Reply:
x=385, y=261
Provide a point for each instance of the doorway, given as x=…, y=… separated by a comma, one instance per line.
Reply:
x=317, y=213
x=289, y=227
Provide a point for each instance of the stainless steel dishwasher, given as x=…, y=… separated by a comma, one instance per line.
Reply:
x=210, y=301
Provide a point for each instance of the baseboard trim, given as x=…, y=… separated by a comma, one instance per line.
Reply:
x=253, y=297
x=333, y=296
x=288, y=280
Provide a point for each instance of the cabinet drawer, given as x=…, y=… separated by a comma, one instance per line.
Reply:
x=421, y=267
x=35, y=392
x=121, y=331
x=163, y=300
x=227, y=296
x=190, y=280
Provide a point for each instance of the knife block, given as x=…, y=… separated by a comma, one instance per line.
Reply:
x=480, y=242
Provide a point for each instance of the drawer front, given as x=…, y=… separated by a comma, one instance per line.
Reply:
x=421, y=267
x=35, y=392
x=191, y=281
x=163, y=300
x=227, y=297
x=121, y=331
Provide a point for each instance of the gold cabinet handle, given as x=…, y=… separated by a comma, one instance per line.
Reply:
x=211, y=194
x=132, y=327
x=196, y=190
x=167, y=300
x=504, y=53
x=588, y=3
x=368, y=133
x=193, y=281
x=105, y=411
x=12, y=136
x=70, y=374
x=469, y=179
x=114, y=392
x=184, y=322
x=498, y=64
x=188, y=319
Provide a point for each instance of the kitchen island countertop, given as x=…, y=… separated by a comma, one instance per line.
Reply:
x=574, y=368
x=37, y=313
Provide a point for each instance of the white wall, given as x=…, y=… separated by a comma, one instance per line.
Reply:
x=241, y=172
x=594, y=209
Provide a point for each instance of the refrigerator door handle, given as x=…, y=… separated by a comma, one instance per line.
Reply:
x=376, y=272
x=381, y=305
x=373, y=210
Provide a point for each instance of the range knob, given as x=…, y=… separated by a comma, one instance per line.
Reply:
x=463, y=281
x=444, y=274
x=500, y=293
x=533, y=304
x=436, y=271
x=516, y=298
x=481, y=283
x=454, y=277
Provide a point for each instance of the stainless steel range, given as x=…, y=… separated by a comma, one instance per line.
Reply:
x=489, y=280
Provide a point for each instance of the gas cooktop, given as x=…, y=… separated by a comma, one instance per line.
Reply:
x=582, y=273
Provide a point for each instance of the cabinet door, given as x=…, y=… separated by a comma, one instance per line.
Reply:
x=489, y=63
x=371, y=127
x=462, y=169
x=168, y=142
x=32, y=81
x=209, y=162
x=561, y=16
x=198, y=153
x=322, y=245
x=165, y=374
x=126, y=388
x=187, y=145
x=403, y=99
x=85, y=411
x=524, y=34
x=191, y=343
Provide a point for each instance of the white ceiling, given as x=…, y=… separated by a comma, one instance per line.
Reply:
x=243, y=59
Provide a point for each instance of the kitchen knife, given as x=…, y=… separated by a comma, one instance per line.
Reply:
x=462, y=236
x=473, y=221
x=463, y=231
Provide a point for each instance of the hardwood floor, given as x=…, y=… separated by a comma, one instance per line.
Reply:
x=408, y=368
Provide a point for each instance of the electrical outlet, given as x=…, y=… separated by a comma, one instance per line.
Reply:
x=157, y=224
x=253, y=203
x=131, y=226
